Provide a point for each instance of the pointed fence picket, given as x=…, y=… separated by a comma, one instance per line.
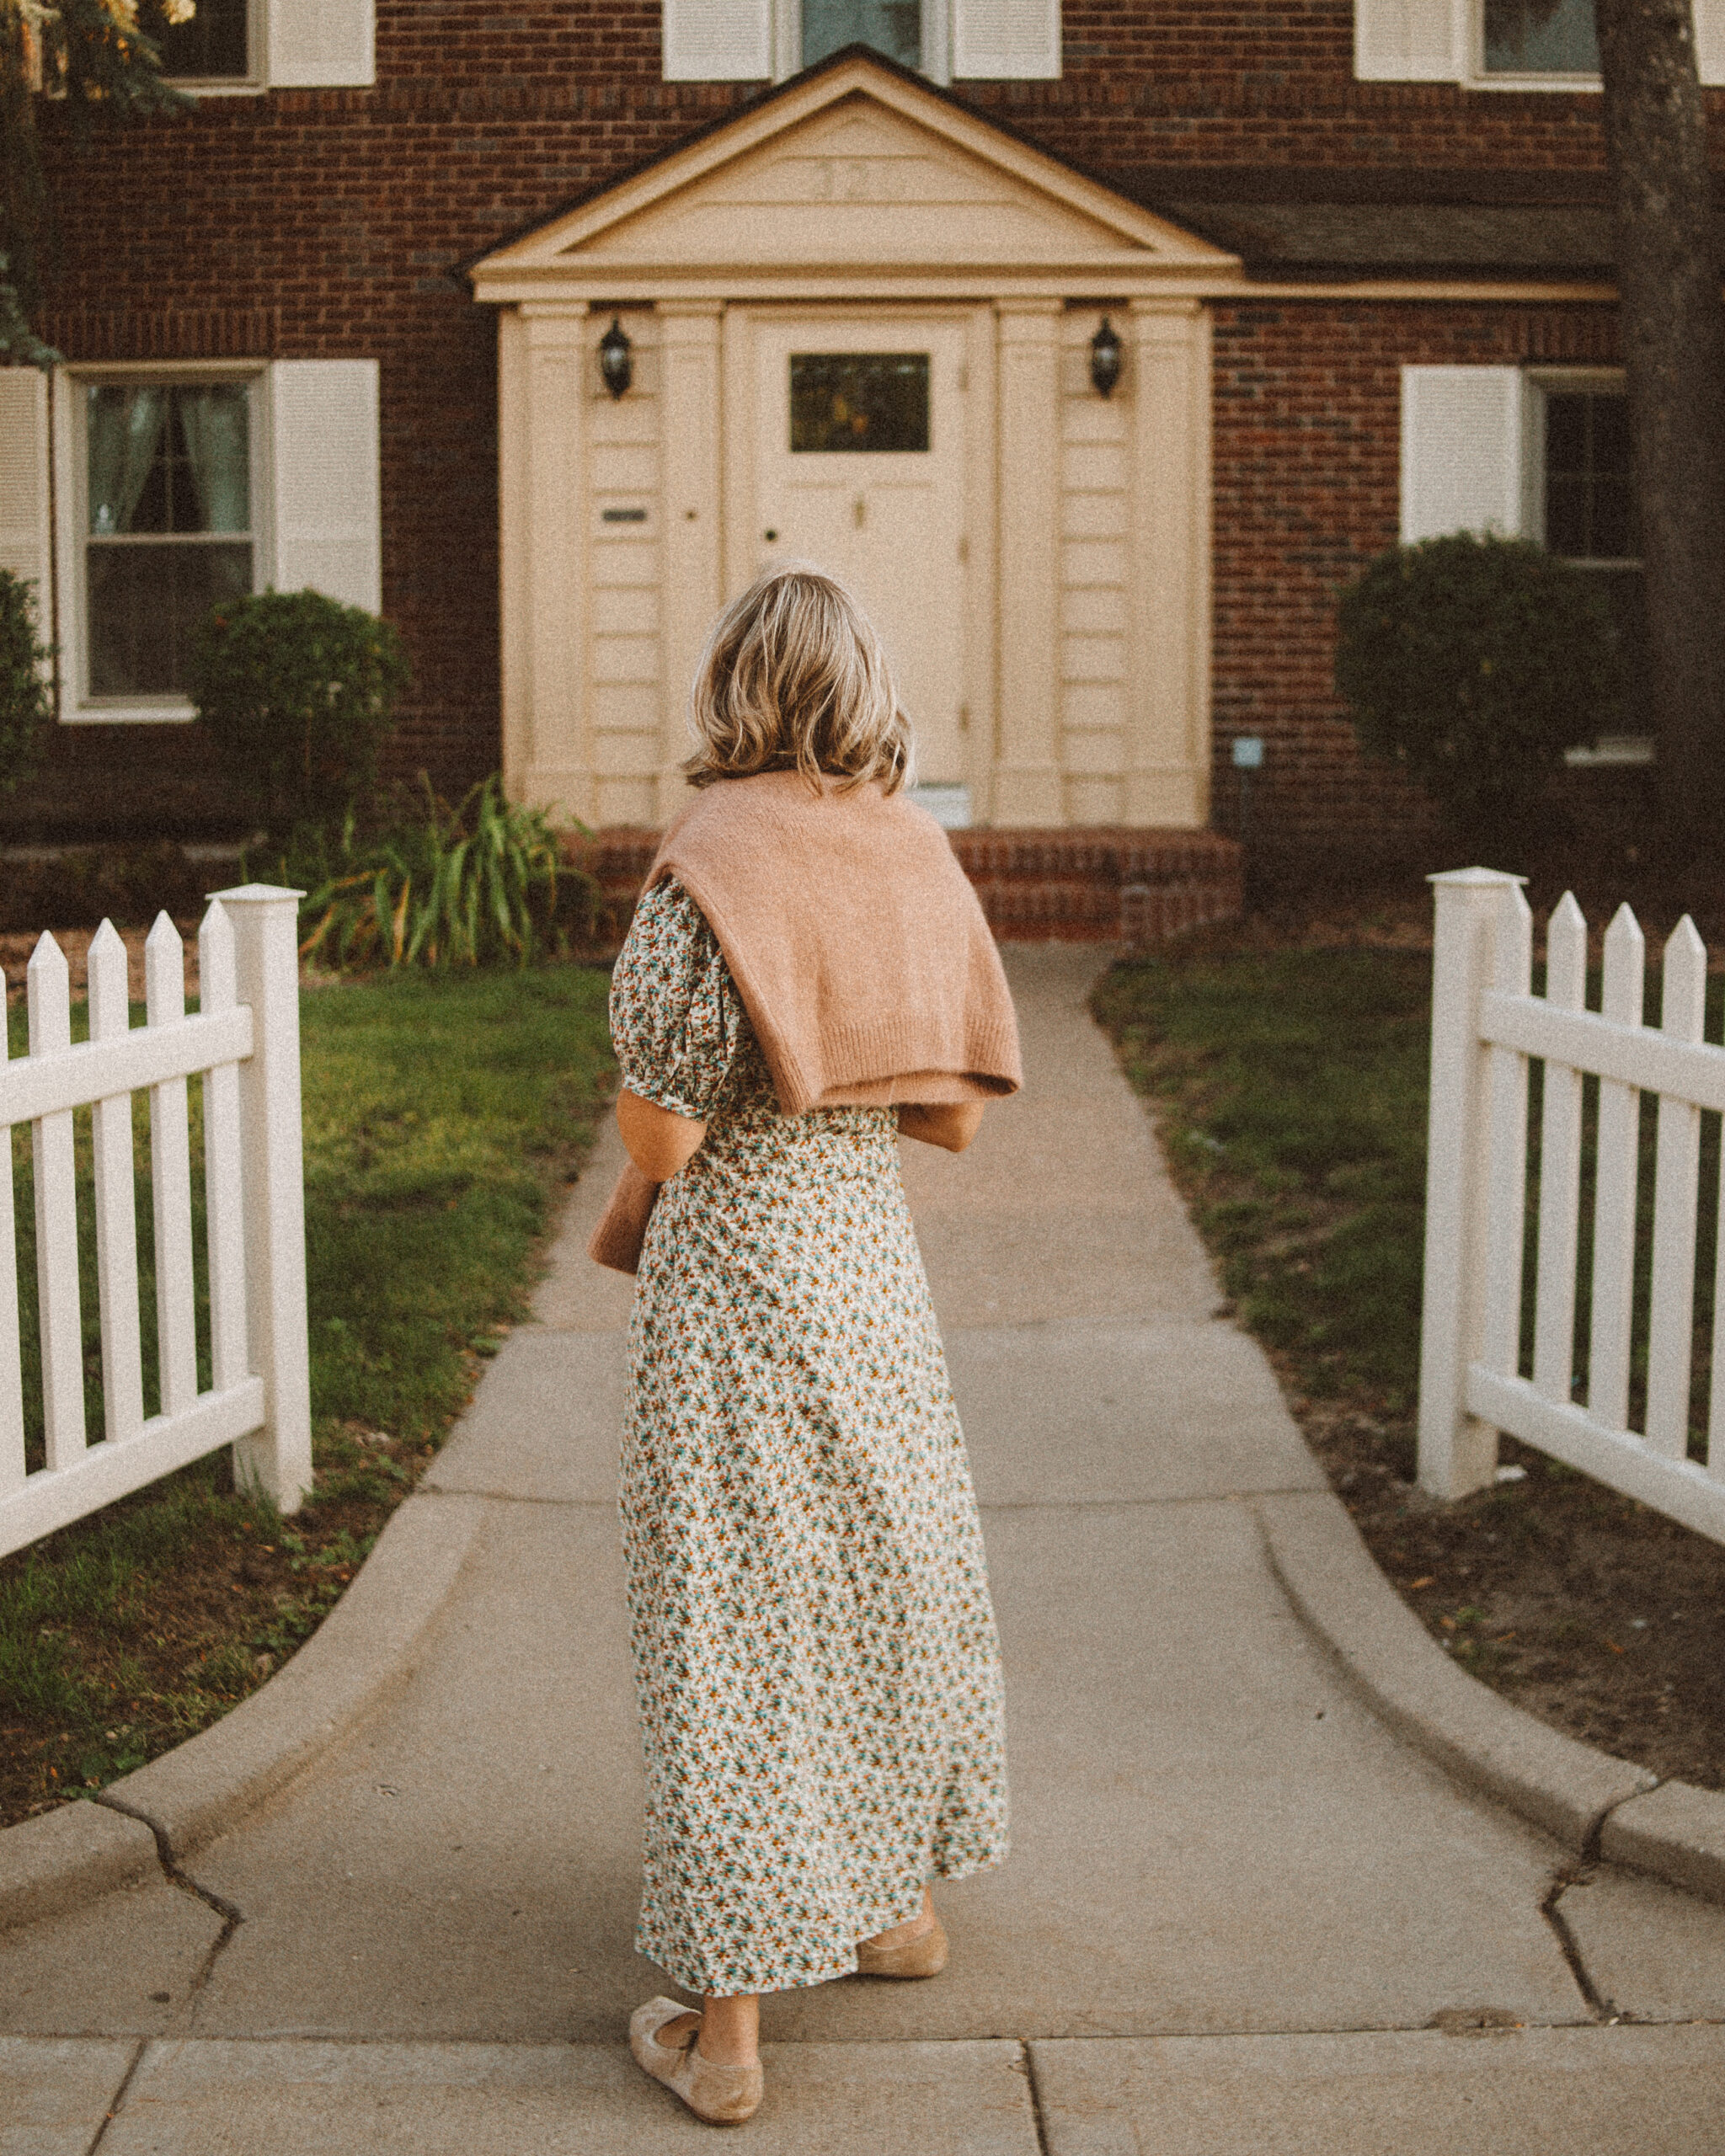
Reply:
x=243, y=1044
x=1487, y=1027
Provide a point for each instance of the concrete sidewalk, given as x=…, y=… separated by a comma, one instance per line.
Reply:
x=1240, y=1915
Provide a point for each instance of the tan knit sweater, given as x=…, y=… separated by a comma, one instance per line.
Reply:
x=855, y=939
x=857, y=946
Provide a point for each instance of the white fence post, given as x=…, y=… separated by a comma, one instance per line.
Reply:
x=276, y=1459
x=1457, y=1452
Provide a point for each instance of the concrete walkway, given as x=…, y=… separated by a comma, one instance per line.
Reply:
x=1240, y=1915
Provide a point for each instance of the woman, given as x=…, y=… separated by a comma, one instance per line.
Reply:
x=808, y=976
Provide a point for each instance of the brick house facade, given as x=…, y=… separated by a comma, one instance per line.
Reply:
x=332, y=208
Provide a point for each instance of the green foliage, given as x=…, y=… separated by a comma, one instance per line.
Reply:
x=1472, y=664
x=26, y=703
x=295, y=692
x=481, y=884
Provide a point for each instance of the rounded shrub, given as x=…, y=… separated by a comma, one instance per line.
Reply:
x=296, y=693
x=26, y=700
x=1472, y=664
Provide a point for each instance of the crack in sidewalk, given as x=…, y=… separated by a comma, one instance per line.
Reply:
x=1027, y=2061
x=1577, y=1873
x=117, y=2105
x=232, y=1917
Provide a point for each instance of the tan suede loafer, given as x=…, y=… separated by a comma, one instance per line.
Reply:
x=722, y=2096
x=924, y=1955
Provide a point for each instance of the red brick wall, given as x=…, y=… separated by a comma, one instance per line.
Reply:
x=1307, y=428
x=325, y=223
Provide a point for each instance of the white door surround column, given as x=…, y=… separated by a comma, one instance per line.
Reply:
x=1168, y=676
x=690, y=339
x=1027, y=778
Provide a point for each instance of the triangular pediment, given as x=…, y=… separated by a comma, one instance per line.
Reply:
x=854, y=167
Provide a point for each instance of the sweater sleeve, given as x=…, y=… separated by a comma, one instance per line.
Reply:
x=676, y=1019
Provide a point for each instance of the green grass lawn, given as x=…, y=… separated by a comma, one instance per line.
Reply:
x=1291, y=1086
x=441, y=1115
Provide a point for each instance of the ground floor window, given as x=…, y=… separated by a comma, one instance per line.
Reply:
x=167, y=524
x=1585, y=496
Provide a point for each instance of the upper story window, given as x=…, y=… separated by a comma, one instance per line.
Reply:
x=1502, y=45
x=893, y=27
x=212, y=42
x=223, y=48
x=757, y=40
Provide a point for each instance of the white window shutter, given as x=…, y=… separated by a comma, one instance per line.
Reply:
x=323, y=434
x=1461, y=452
x=718, y=40
x=321, y=44
x=1710, y=39
x=1409, y=41
x=25, y=538
x=1000, y=40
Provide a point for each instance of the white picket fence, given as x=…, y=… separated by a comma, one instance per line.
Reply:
x=244, y=1043
x=1486, y=1026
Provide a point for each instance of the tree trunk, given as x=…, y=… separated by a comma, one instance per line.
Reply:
x=1674, y=351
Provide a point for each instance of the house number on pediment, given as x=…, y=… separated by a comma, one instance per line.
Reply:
x=859, y=179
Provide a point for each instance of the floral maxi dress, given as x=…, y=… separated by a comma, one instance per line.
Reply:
x=816, y=1663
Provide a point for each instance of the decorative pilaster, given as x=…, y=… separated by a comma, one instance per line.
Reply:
x=1168, y=672
x=1027, y=782
x=690, y=332
x=545, y=566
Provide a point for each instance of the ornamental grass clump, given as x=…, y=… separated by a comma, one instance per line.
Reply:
x=26, y=700
x=1472, y=664
x=296, y=693
x=481, y=885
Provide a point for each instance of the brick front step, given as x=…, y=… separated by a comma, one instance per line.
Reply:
x=1092, y=884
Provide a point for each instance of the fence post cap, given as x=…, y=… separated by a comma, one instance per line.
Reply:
x=254, y=894
x=1475, y=878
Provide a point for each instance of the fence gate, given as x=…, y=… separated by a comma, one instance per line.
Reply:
x=243, y=1042
x=1487, y=1027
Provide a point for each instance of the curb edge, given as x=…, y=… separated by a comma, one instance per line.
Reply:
x=1570, y=1789
x=363, y=1652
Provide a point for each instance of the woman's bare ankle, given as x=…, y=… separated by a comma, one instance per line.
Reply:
x=730, y=2030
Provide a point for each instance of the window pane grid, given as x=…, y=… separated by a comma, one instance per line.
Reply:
x=1590, y=490
x=169, y=525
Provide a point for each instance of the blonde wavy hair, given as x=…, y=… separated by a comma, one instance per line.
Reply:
x=794, y=677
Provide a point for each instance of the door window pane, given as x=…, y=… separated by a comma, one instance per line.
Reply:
x=169, y=523
x=856, y=401
x=1540, y=37
x=212, y=41
x=893, y=27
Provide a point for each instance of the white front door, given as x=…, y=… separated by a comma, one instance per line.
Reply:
x=860, y=432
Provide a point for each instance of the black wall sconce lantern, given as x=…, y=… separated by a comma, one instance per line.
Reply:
x=1105, y=359
x=615, y=358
